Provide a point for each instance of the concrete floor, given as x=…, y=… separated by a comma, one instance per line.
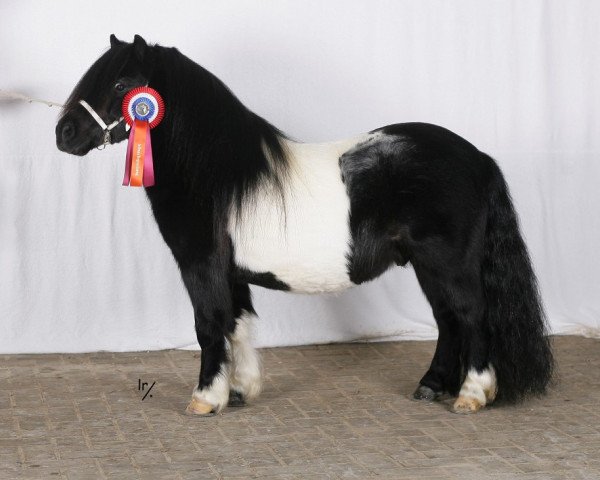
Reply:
x=336, y=411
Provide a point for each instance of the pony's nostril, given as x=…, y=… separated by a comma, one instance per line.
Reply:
x=68, y=131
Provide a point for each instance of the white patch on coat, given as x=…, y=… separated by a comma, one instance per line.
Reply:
x=217, y=394
x=481, y=386
x=306, y=245
x=245, y=372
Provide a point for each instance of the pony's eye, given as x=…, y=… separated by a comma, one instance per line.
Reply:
x=119, y=87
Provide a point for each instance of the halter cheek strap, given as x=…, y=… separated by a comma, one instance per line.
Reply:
x=105, y=128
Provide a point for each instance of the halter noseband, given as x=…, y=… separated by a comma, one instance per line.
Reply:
x=105, y=128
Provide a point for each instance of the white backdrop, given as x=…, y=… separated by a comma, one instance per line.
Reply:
x=519, y=79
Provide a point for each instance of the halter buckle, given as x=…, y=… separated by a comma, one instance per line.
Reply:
x=106, y=140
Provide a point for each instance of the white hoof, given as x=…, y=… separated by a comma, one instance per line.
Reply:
x=478, y=390
x=211, y=399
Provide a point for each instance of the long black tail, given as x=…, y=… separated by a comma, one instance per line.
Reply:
x=520, y=349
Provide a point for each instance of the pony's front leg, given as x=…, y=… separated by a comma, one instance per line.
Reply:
x=245, y=372
x=211, y=394
x=214, y=319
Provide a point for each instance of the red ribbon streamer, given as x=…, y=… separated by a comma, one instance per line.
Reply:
x=139, y=166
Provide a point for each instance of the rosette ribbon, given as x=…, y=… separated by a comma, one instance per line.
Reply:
x=143, y=109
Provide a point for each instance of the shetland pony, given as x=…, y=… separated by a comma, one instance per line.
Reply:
x=239, y=203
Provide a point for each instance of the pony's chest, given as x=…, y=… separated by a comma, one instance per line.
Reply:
x=305, y=244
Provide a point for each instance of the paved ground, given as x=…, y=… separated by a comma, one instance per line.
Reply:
x=337, y=411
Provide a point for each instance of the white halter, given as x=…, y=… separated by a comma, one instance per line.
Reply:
x=105, y=128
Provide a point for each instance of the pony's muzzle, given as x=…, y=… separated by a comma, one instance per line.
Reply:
x=67, y=139
x=67, y=132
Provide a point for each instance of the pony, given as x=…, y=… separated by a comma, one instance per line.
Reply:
x=240, y=203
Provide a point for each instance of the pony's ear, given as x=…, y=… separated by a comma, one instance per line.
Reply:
x=139, y=46
x=114, y=41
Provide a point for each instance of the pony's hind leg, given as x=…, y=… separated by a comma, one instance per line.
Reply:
x=479, y=387
x=461, y=362
x=245, y=370
x=443, y=375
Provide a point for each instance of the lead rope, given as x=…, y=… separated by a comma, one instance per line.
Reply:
x=4, y=94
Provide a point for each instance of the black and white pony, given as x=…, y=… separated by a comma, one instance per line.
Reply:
x=239, y=203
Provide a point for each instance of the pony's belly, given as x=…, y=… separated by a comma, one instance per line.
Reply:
x=310, y=268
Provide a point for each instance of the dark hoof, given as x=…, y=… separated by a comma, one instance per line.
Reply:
x=425, y=393
x=236, y=399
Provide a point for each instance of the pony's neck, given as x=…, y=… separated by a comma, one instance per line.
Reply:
x=208, y=141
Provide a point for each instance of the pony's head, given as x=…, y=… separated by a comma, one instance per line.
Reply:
x=92, y=115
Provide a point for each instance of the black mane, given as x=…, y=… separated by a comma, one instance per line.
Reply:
x=232, y=150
